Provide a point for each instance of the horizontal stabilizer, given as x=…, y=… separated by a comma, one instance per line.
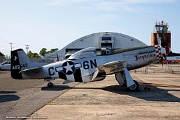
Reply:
x=31, y=70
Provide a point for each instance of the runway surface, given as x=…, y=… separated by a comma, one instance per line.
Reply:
x=94, y=100
x=21, y=98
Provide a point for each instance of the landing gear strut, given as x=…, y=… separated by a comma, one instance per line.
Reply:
x=50, y=84
x=134, y=87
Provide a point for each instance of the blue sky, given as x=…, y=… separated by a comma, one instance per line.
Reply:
x=56, y=23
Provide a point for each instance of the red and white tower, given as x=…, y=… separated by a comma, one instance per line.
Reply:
x=161, y=36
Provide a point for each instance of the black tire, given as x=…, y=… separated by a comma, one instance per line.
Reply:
x=50, y=84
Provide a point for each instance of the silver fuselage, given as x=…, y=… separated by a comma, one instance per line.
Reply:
x=134, y=57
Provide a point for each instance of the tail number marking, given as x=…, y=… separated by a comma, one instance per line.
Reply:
x=20, y=66
x=24, y=65
x=89, y=64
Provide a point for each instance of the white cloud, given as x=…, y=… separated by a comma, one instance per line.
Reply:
x=128, y=5
x=109, y=5
x=67, y=2
x=148, y=1
x=113, y=6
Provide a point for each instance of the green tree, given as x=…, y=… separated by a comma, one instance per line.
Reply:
x=7, y=57
x=52, y=50
x=33, y=55
x=36, y=55
x=30, y=54
x=1, y=54
x=43, y=51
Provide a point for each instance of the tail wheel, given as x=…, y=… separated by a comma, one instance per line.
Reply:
x=50, y=84
x=134, y=87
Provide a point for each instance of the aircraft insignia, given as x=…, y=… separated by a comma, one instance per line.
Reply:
x=68, y=68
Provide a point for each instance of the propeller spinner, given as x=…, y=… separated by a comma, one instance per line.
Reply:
x=160, y=53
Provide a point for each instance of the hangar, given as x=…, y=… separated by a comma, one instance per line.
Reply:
x=101, y=41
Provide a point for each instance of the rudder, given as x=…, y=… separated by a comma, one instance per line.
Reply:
x=19, y=61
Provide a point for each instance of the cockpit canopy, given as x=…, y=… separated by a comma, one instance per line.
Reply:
x=87, y=52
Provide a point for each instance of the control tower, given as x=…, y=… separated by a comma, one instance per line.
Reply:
x=161, y=32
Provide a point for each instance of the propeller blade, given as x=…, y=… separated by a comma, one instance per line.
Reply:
x=164, y=55
x=160, y=52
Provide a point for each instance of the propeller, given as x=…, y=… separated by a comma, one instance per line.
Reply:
x=160, y=52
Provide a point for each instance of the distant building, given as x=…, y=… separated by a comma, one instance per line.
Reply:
x=162, y=33
x=102, y=41
x=162, y=36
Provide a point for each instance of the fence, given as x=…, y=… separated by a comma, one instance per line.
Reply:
x=175, y=69
x=171, y=68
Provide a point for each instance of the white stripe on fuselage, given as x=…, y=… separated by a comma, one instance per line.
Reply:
x=70, y=77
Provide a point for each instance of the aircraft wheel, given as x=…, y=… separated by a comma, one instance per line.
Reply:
x=50, y=84
x=135, y=87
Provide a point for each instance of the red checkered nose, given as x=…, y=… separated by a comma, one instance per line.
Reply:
x=158, y=52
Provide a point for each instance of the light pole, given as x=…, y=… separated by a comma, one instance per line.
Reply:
x=11, y=45
x=27, y=47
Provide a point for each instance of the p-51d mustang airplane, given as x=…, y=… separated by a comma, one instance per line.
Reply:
x=85, y=65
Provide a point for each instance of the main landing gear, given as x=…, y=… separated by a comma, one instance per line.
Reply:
x=50, y=84
x=134, y=88
x=125, y=79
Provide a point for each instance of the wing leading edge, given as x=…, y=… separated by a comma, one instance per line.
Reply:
x=113, y=67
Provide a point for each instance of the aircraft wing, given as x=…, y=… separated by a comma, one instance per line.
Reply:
x=115, y=67
x=31, y=70
x=112, y=67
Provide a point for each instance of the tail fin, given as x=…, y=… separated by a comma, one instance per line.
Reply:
x=19, y=61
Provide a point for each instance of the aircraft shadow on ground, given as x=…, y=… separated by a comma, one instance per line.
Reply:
x=56, y=88
x=154, y=94
x=2, y=72
x=7, y=92
x=6, y=96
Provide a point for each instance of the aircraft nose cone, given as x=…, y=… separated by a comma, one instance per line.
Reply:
x=158, y=51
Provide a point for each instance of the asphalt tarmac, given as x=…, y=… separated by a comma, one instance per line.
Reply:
x=21, y=98
x=100, y=100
